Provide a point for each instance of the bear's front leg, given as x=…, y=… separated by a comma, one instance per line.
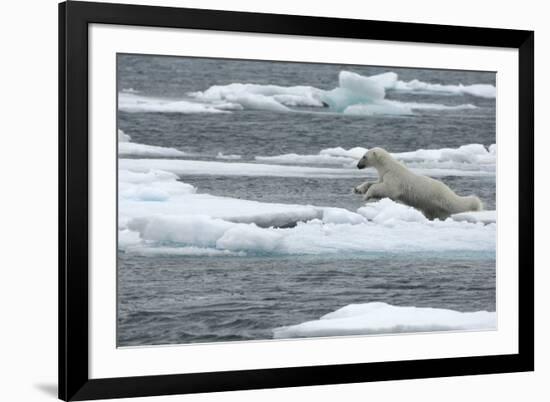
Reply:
x=362, y=188
x=377, y=191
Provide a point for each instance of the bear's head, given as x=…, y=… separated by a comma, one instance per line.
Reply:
x=373, y=158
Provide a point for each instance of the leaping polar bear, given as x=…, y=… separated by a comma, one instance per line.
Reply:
x=398, y=183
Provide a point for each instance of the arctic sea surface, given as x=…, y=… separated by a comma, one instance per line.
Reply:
x=237, y=219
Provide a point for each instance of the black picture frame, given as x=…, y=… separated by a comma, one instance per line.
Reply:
x=74, y=18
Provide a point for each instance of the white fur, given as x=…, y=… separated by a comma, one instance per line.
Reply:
x=398, y=183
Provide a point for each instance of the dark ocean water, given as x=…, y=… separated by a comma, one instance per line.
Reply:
x=182, y=299
x=175, y=300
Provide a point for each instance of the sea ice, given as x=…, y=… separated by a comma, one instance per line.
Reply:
x=161, y=211
x=470, y=159
x=219, y=168
x=127, y=147
x=131, y=103
x=382, y=318
x=355, y=94
x=476, y=216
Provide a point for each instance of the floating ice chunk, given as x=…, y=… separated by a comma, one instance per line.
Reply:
x=464, y=160
x=198, y=230
x=130, y=91
x=378, y=108
x=382, y=318
x=305, y=100
x=183, y=200
x=356, y=89
x=150, y=176
x=387, y=107
x=227, y=106
x=132, y=103
x=471, y=153
x=416, y=86
x=361, y=95
x=386, y=80
x=388, y=212
x=126, y=147
x=437, y=106
x=127, y=238
x=150, y=186
x=130, y=148
x=154, y=185
x=466, y=157
x=352, y=153
x=230, y=209
x=228, y=157
x=122, y=137
x=481, y=90
x=257, y=102
x=135, y=149
x=284, y=96
x=475, y=217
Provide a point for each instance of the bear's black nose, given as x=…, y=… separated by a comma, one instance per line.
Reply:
x=360, y=165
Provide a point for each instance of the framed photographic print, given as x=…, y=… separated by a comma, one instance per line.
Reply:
x=257, y=201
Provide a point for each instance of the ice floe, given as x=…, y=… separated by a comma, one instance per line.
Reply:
x=467, y=159
x=158, y=211
x=126, y=148
x=416, y=86
x=219, y=168
x=475, y=217
x=355, y=95
x=143, y=150
x=221, y=155
x=382, y=318
x=132, y=103
x=284, y=96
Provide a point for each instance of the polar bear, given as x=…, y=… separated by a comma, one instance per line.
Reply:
x=398, y=183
